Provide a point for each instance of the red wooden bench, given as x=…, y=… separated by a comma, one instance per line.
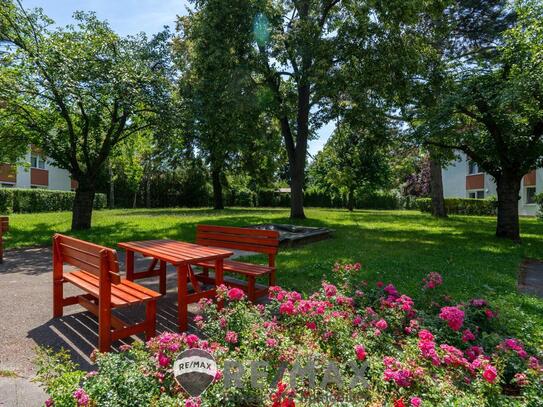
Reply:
x=4, y=227
x=97, y=273
x=252, y=240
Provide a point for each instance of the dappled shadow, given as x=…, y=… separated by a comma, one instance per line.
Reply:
x=78, y=332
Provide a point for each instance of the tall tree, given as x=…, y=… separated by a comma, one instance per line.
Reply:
x=77, y=92
x=493, y=111
x=213, y=48
x=449, y=35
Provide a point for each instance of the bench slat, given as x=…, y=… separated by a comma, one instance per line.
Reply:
x=240, y=267
x=121, y=294
x=264, y=240
x=238, y=246
x=238, y=231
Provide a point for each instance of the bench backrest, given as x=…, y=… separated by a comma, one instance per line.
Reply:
x=92, y=258
x=252, y=240
x=4, y=224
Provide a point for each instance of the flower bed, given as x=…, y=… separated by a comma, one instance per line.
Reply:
x=310, y=350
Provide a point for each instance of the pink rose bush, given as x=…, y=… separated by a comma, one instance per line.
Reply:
x=440, y=353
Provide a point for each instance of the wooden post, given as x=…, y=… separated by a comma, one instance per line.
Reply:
x=162, y=277
x=150, y=319
x=219, y=276
x=129, y=265
x=104, y=305
x=58, y=285
x=251, y=288
x=182, y=306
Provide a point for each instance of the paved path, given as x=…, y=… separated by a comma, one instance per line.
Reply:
x=531, y=277
x=26, y=321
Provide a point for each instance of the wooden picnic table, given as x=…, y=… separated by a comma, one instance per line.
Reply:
x=181, y=255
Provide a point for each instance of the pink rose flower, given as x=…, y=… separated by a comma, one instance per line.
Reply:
x=191, y=340
x=271, y=343
x=454, y=317
x=235, y=294
x=490, y=373
x=415, y=401
x=193, y=402
x=360, y=352
x=467, y=336
x=231, y=337
x=81, y=397
x=163, y=360
x=381, y=324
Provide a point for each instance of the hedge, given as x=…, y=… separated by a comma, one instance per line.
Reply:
x=462, y=206
x=539, y=200
x=19, y=200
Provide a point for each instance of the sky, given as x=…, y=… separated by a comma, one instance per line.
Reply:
x=133, y=16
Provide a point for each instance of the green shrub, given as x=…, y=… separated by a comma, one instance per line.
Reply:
x=272, y=198
x=241, y=197
x=21, y=200
x=462, y=206
x=377, y=200
x=6, y=201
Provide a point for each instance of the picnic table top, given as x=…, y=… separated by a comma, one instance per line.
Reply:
x=175, y=252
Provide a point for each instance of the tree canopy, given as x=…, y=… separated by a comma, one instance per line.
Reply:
x=77, y=92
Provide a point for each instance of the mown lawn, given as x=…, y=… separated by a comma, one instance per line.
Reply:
x=394, y=246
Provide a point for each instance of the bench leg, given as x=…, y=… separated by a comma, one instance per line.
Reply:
x=129, y=262
x=58, y=296
x=150, y=320
x=162, y=278
x=251, y=293
x=272, y=278
x=104, y=329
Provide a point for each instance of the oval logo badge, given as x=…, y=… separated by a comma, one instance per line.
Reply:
x=195, y=370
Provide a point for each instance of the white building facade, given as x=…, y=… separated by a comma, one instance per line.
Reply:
x=463, y=179
x=39, y=173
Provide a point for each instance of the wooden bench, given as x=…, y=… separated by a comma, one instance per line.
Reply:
x=4, y=227
x=97, y=273
x=252, y=240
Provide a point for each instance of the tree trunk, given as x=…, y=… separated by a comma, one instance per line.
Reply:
x=83, y=203
x=217, y=189
x=148, y=192
x=111, y=188
x=436, y=190
x=508, y=196
x=350, y=200
x=297, y=192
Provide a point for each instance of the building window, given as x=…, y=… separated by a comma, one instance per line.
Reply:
x=36, y=161
x=476, y=194
x=530, y=195
x=473, y=168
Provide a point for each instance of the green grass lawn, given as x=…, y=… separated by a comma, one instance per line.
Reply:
x=394, y=246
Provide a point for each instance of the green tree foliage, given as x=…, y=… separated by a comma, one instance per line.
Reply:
x=492, y=110
x=227, y=120
x=353, y=160
x=79, y=91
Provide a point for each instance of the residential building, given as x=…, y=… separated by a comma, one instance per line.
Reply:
x=464, y=179
x=38, y=173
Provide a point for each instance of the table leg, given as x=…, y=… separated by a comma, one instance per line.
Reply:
x=219, y=277
x=129, y=262
x=162, y=277
x=182, y=294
